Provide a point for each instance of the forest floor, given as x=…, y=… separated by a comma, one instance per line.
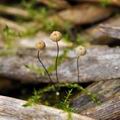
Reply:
x=87, y=88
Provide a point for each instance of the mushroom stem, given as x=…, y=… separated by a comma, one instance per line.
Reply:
x=56, y=62
x=38, y=56
x=78, y=69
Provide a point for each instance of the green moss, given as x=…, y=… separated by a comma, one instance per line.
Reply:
x=80, y=39
x=105, y=3
x=42, y=15
x=7, y=52
x=40, y=71
x=36, y=69
x=9, y=36
x=65, y=102
x=33, y=100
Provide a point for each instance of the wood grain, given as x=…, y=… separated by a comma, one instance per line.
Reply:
x=109, y=110
x=100, y=63
x=12, y=109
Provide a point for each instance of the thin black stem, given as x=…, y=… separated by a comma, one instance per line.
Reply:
x=56, y=62
x=78, y=68
x=38, y=56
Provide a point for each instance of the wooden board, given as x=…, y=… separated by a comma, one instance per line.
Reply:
x=12, y=109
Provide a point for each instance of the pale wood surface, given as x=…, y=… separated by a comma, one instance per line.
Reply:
x=109, y=110
x=100, y=63
x=104, y=90
x=12, y=109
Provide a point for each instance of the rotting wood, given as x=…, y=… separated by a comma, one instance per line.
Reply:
x=6, y=1
x=82, y=14
x=5, y=84
x=11, y=24
x=13, y=11
x=98, y=64
x=95, y=36
x=12, y=109
x=109, y=110
x=106, y=2
x=30, y=43
x=93, y=13
x=104, y=90
x=111, y=31
x=55, y=3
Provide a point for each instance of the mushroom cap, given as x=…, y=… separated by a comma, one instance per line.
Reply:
x=55, y=36
x=40, y=45
x=80, y=50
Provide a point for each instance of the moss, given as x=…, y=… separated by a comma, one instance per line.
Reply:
x=65, y=100
x=105, y=3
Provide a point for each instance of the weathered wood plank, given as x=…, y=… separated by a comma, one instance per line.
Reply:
x=12, y=109
x=104, y=90
x=98, y=64
x=11, y=24
x=106, y=2
x=55, y=3
x=84, y=14
x=14, y=11
x=109, y=110
x=5, y=84
x=111, y=31
x=95, y=35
